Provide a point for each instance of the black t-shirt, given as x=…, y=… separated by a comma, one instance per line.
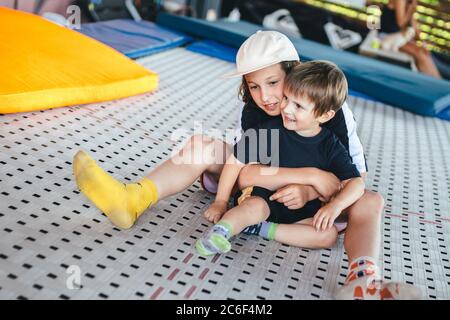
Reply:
x=323, y=151
x=252, y=116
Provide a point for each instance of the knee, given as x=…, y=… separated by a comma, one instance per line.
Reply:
x=371, y=203
x=200, y=140
x=327, y=239
x=422, y=54
x=200, y=147
x=375, y=201
x=256, y=205
x=245, y=178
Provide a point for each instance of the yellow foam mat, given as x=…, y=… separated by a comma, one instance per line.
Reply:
x=45, y=66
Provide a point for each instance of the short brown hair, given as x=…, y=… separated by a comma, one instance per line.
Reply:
x=322, y=82
x=244, y=92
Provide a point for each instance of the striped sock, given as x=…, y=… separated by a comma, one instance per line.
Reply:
x=264, y=229
x=215, y=240
x=268, y=230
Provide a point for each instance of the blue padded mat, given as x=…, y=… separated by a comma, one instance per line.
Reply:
x=227, y=53
x=214, y=49
x=134, y=38
x=385, y=82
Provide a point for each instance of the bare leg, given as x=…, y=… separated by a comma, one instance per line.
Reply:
x=200, y=154
x=302, y=234
x=124, y=203
x=422, y=58
x=251, y=211
x=362, y=237
x=362, y=242
x=254, y=210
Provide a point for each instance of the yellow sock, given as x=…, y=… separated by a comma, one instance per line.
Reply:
x=122, y=203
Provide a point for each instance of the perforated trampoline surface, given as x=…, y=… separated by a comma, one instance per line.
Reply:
x=49, y=231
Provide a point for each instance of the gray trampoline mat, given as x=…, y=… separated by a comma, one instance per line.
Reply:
x=47, y=225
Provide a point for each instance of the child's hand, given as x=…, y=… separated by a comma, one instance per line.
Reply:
x=326, y=184
x=293, y=196
x=324, y=218
x=216, y=211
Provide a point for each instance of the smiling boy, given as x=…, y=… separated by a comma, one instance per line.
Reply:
x=314, y=92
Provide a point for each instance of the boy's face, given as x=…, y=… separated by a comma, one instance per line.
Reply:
x=266, y=88
x=298, y=113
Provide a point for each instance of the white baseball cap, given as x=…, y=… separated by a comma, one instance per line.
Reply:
x=263, y=49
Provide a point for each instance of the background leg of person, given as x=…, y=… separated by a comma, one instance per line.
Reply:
x=422, y=58
x=442, y=63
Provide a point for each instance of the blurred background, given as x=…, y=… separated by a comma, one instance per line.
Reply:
x=353, y=25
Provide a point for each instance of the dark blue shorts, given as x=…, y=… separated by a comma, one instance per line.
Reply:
x=279, y=213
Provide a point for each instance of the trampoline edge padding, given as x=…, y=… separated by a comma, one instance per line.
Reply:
x=134, y=39
x=47, y=66
x=388, y=83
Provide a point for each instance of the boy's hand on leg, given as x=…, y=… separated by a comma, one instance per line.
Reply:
x=294, y=196
x=216, y=211
x=325, y=217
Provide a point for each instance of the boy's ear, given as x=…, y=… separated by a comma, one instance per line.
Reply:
x=326, y=116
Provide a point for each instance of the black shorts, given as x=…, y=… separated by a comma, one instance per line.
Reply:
x=279, y=213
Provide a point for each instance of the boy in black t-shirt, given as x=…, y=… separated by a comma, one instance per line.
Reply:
x=314, y=91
